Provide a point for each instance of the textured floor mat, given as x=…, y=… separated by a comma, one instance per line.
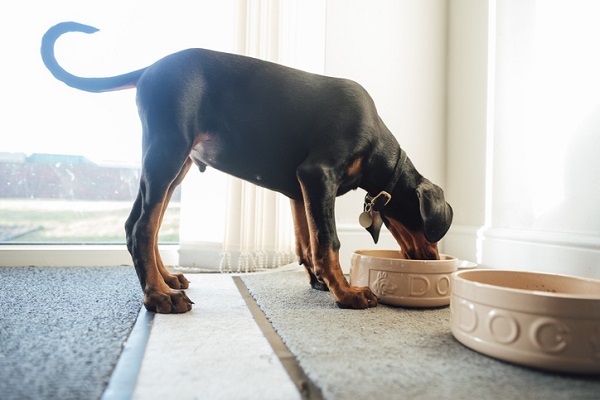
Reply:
x=388, y=352
x=62, y=329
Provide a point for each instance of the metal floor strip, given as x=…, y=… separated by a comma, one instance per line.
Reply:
x=124, y=377
x=306, y=387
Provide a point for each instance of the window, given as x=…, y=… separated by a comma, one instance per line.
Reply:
x=69, y=164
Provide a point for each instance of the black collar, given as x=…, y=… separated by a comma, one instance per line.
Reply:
x=380, y=200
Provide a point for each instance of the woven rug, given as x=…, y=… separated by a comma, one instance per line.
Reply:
x=389, y=353
x=62, y=329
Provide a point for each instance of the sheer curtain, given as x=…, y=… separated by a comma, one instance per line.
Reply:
x=258, y=231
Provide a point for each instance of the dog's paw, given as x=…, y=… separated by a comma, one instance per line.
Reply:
x=357, y=298
x=174, y=301
x=177, y=281
x=319, y=286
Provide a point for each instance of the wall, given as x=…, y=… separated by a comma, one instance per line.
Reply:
x=523, y=137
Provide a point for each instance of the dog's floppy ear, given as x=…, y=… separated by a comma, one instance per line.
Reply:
x=435, y=212
x=375, y=227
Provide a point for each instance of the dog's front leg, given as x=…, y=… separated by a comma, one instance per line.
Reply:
x=319, y=193
x=303, y=250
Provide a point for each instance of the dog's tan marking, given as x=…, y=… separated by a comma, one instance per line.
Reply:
x=413, y=244
x=302, y=235
x=205, y=150
x=345, y=295
x=200, y=137
x=154, y=279
x=301, y=232
x=355, y=167
x=177, y=280
x=158, y=296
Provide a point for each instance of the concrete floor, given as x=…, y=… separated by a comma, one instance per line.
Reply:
x=215, y=351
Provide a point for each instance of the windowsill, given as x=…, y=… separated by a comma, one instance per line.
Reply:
x=76, y=255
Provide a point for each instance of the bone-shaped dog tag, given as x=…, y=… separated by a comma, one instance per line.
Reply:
x=365, y=220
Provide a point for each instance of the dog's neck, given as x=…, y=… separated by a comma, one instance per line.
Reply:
x=396, y=173
x=393, y=177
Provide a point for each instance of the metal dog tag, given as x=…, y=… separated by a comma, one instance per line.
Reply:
x=365, y=220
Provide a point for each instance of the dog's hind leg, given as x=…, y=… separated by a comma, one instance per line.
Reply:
x=163, y=168
x=303, y=250
x=174, y=280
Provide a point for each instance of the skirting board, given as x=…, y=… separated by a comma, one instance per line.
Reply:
x=74, y=255
x=201, y=256
x=553, y=252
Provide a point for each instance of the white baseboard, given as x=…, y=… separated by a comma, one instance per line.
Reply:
x=200, y=256
x=463, y=242
x=560, y=253
x=74, y=255
x=554, y=252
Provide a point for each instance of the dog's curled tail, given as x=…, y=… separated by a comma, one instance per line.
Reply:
x=96, y=85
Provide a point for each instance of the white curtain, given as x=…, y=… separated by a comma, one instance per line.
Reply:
x=259, y=231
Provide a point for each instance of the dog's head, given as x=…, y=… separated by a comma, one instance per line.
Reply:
x=418, y=216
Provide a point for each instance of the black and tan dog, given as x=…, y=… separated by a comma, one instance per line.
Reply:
x=310, y=137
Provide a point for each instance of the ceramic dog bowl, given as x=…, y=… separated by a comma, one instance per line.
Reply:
x=539, y=320
x=400, y=282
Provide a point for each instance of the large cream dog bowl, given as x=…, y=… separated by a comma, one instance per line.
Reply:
x=401, y=282
x=539, y=320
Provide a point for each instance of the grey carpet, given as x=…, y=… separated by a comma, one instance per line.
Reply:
x=393, y=353
x=62, y=329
